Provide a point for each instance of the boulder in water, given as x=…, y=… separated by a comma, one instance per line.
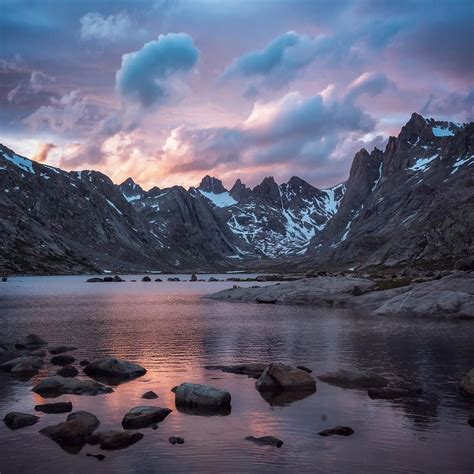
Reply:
x=337, y=430
x=150, y=395
x=33, y=361
x=116, y=439
x=201, y=396
x=114, y=368
x=389, y=393
x=67, y=371
x=281, y=377
x=57, y=385
x=73, y=433
x=144, y=416
x=59, y=407
x=266, y=440
x=55, y=350
x=15, y=420
x=62, y=359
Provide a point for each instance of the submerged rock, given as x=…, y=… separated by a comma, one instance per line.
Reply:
x=67, y=371
x=84, y=362
x=73, y=433
x=281, y=377
x=353, y=379
x=114, y=368
x=466, y=384
x=116, y=439
x=63, y=359
x=265, y=300
x=57, y=385
x=266, y=440
x=33, y=340
x=144, y=416
x=59, y=407
x=201, y=396
x=15, y=420
x=55, y=350
x=393, y=393
x=94, y=280
x=150, y=395
x=176, y=440
x=337, y=430
x=24, y=370
x=253, y=370
x=100, y=457
x=38, y=353
x=33, y=361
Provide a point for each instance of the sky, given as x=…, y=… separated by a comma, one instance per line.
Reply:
x=167, y=91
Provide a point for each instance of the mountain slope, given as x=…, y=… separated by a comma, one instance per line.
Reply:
x=412, y=202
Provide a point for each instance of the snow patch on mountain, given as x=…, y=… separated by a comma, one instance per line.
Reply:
x=422, y=164
x=220, y=200
x=22, y=163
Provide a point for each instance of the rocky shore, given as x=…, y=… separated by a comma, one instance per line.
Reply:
x=451, y=296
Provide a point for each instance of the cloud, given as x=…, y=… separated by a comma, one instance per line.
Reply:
x=452, y=103
x=67, y=113
x=295, y=130
x=43, y=151
x=370, y=83
x=95, y=26
x=145, y=76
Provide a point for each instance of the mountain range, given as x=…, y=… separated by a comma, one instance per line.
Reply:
x=412, y=202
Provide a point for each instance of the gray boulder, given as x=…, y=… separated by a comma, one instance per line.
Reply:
x=114, y=368
x=176, y=440
x=466, y=384
x=201, y=396
x=15, y=420
x=266, y=440
x=57, y=385
x=73, y=433
x=59, y=407
x=354, y=379
x=144, y=416
x=281, y=377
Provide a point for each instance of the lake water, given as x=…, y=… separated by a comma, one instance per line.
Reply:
x=173, y=332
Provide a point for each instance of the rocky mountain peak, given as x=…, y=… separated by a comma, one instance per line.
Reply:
x=240, y=191
x=213, y=185
x=267, y=190
x=131, y=190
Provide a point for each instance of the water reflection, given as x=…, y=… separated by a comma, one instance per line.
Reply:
x=173, y=333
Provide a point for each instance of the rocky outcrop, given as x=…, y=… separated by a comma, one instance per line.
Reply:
x=30, y=361
x=54, y=386
x=144, y=416
x=201, y=396
x=15, y=420
x=279, y=377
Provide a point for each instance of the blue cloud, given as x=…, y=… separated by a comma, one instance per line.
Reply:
x=144, y=74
